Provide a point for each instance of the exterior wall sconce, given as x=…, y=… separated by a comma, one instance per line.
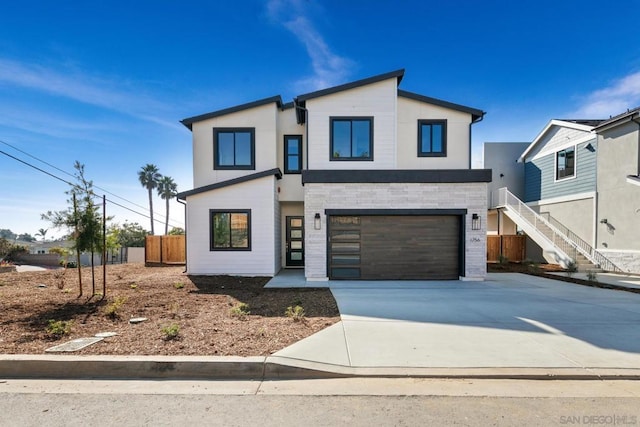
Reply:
x=316, y=221
x=604, y=221
x=475, y=222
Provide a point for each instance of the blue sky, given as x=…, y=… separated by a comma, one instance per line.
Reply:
x=106, y=82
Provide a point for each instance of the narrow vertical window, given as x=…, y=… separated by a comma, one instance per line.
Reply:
x=565, y=163
x=432, y=138
x=292, y=153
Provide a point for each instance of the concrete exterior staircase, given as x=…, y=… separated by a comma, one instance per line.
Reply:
x=584, y=265
x=559, y=245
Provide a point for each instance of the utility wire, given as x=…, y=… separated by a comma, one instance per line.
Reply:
x=71, y=184
x=73, y=176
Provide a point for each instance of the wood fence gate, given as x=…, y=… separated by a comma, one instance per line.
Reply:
x=165, y=250
x=510, y=247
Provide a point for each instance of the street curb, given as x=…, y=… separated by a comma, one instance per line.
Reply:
x=264, y=368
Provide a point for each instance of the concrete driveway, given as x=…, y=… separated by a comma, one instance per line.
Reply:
x=508, y=321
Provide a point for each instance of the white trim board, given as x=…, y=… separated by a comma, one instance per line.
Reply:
x=554, y=122
x=569, y=143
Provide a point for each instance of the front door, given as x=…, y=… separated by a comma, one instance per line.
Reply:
x=295, y=241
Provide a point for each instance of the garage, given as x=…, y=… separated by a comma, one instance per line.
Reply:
x=395, y=246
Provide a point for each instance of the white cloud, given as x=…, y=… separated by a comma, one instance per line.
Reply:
x=81, y=87
x=614, y=99
x=329, y=68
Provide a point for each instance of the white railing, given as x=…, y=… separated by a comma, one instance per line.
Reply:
x=564, y=241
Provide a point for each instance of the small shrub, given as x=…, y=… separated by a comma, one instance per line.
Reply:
x=572, y=267
x=173, y=309
x=58, y=328
x=534, y=267
x=592, y=276
x=59, y=278
x=503, y=260
x=240, y=311
x=178, y=285
x=296, y=312
x=171, y=331
x=113, y=310
x=68, y=264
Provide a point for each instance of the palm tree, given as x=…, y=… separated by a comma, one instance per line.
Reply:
x=149, y=177
x=167, y=189
x=42, y=233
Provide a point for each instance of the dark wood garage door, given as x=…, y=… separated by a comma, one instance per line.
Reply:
x=389, y=247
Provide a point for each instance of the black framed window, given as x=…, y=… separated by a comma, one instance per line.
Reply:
x=230, y=230
x=566, y=163
x=292, y=153
x=351, y=138
x=234, y=148
x=432, y=138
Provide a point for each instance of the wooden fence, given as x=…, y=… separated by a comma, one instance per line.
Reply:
x=165, y=250
x=511, y=247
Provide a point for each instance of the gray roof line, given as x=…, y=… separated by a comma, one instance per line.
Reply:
x=190, y=120
x=227, y=183
x=352, y=85
x=475, y=113
x=613, y=119
x=333, y=176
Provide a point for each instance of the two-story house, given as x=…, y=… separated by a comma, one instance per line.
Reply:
x=357, y=181
x=617, y=231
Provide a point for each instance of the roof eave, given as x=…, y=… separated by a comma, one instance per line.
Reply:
x=188, y=122
x=246, y=178
x=552, y=122
x=617, y=121
x=476, y=114
x=398, y=74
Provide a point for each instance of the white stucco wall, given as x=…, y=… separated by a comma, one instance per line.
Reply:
x=262, y=118
x=501, y=158
x=470, y=196
x=409, y=112
x=377, y=100
x=260, y=197
x=290, y=184
x=578, y=215
x=618, y=199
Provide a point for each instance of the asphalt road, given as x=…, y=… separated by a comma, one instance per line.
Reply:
x=354, y=402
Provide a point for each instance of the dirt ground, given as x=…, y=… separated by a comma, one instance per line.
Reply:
x=205, y=312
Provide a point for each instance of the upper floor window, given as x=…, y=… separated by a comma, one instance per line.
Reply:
x=351, y=138
x=292, y=153
x=230, y=230
x=234, y=148
x=565, y=163
x=432, y=138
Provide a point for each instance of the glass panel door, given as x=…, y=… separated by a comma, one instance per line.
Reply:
x=295, y=241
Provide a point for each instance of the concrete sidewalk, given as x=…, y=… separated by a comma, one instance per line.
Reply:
x=615, y=279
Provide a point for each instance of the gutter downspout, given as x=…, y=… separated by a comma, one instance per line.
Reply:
x=185, y=233
x=638, y=123
x=306, y=132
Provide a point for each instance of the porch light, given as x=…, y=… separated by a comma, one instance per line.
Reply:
x=475, y=222
x=316, y=221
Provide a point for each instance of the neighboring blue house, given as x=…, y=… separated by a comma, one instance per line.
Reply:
x=560, y=175
x=580, y=177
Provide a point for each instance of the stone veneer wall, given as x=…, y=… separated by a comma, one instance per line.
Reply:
x=628, y=261
x=470, y=196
